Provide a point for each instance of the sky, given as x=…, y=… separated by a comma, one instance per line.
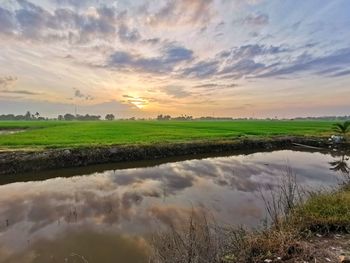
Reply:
x=235, y=58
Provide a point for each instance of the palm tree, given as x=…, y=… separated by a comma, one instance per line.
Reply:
x=340, y=165
x=342, y=128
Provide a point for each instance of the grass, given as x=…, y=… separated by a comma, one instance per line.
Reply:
x=55, y=134
x=290, y=238
x=326, y=212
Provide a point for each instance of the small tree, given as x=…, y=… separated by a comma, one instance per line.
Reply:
x=109, y=117
x=68, y=117
x=342, y=128
x=28, y=116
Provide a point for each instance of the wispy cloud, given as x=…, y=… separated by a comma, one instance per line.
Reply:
x=176, y=91
x=181, y=12
x=25, y=92
x=253, y=20
x=215, y=86
x=7, y=81
x=7, y=84
x=331, y=65
x=79, y=94
x=138, y=102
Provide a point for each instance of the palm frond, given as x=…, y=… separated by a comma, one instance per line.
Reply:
x=342, y=128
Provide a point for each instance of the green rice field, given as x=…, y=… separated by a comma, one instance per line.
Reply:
x=58, y=134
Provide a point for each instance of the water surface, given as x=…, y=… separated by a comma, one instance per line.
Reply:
x=10, y=131
x=105, y=216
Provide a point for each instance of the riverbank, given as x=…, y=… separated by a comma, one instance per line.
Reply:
x=303, y=227
x=19, y=161
x=314, y=230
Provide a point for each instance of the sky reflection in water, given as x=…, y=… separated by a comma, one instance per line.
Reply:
x=102, y=217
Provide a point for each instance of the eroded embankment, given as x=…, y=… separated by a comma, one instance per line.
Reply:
x=12, y=162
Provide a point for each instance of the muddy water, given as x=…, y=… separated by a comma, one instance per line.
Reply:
x=105, y=216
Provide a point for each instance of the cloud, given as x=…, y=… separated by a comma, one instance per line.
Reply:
x=31, y=21
x=253, y=20
x=176, y=91
x=332, y=65
x=182, y=12
x=215, y=86
x=237, y=61
x=75, y=3
x=152, y=41
x=7, y=21
x=24, y=92
x=174, y=54
x=79, y=94
x=170, y=56
x=341, y=73
x=244, y=67
x=139, y=102
x=202, y=69
x=128, y=35
x=252, y=50
x=7, y=81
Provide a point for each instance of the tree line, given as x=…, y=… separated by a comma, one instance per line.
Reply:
x=28, y=116
x=66, y=117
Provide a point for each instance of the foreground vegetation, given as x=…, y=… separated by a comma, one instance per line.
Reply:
x=53, y=134
x=301, y=227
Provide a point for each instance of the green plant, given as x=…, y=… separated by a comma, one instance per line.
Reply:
x=342, y=128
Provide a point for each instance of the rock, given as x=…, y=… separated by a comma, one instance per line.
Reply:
x=113, y=150
x=336, y=138
x=66, y=152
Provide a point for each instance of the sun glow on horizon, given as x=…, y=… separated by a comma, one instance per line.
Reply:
x=200, y=58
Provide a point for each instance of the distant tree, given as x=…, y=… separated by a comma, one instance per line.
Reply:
x=342, y=128
x=162, y=117
x=68, y=117
x=20, y=117
x=28, y=116
x=60, y=117
x=7, y=117
x=37, y=115
x=183, y=118
x=87, y=117
x=109, y=117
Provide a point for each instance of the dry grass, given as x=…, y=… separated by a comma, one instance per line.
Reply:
x=292, y=214
x=198, y=241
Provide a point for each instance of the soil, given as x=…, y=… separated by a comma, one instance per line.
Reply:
x=20, y=161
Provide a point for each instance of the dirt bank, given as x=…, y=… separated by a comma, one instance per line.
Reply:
x=12, y=162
